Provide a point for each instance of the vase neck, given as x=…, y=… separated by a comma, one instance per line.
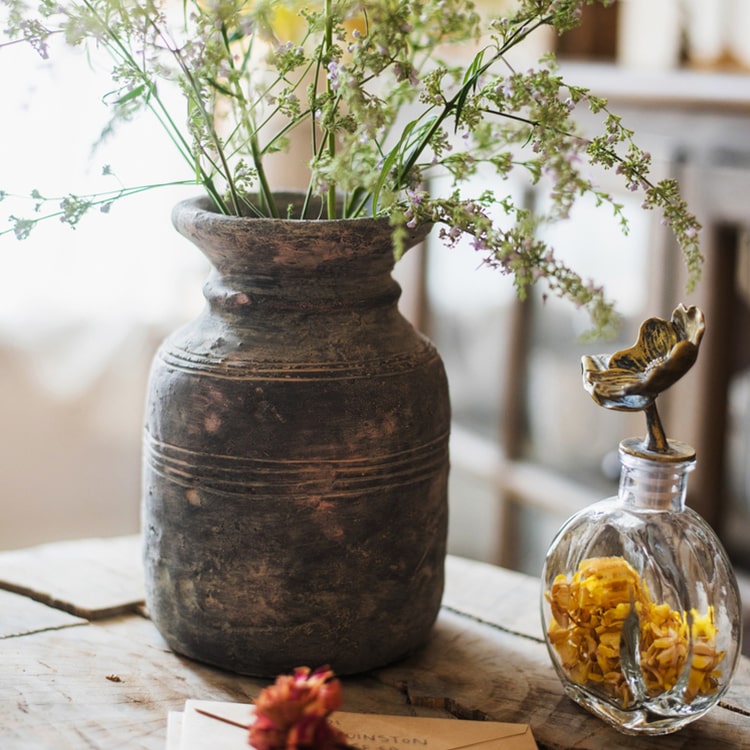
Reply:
x=648, y=484
x=249, y=293
x=295, y=265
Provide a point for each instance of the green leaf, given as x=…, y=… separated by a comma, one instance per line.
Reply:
x=135, y=93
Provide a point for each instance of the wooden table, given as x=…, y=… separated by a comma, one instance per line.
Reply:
x=81, y=666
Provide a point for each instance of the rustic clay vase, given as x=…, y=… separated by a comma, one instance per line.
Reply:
x=296, y=454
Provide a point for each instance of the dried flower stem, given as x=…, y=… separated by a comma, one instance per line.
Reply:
x=222, y=718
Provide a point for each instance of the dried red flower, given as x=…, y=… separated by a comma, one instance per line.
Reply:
x=292, y=714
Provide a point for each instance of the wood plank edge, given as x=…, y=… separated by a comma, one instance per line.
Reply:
x=45, y=629
x=734, y=709
x=490, y=623
x=71, y=608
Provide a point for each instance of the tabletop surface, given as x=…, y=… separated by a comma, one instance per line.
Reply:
x=82, y=666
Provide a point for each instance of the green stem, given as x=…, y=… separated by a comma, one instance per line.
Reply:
x=265, y=188
x=309, y=194
x=331, y=135
x=98, y=199
x=156, y=106
x=210, y=126
x=519, y=35
x=238, y=95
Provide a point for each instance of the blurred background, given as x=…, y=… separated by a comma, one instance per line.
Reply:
x=81, y=312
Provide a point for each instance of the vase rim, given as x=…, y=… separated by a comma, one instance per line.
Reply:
x=197, y=219
x=203, y=205
x=290, y=243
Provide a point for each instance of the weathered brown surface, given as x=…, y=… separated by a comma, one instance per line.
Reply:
x=296, y=454
x=112, y=682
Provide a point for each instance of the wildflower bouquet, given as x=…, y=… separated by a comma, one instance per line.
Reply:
x=386, y=97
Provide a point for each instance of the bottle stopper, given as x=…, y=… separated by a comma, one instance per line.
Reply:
x=631, y=379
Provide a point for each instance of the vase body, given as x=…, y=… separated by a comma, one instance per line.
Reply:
x=295, y=455
x=640, y=604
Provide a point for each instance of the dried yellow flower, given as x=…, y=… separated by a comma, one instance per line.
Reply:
x=590, y=614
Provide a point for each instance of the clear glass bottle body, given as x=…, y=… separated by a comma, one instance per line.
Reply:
x=640, y=605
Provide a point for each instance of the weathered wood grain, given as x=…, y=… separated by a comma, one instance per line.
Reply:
x=22, y=616
x=477, y=671
x=503, y=597
x=111, y=683
x=106, y=685
x=92, y=578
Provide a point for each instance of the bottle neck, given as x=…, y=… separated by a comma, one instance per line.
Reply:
x=649, y=484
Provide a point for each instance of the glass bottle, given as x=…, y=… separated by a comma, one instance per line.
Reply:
x=640, y=605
